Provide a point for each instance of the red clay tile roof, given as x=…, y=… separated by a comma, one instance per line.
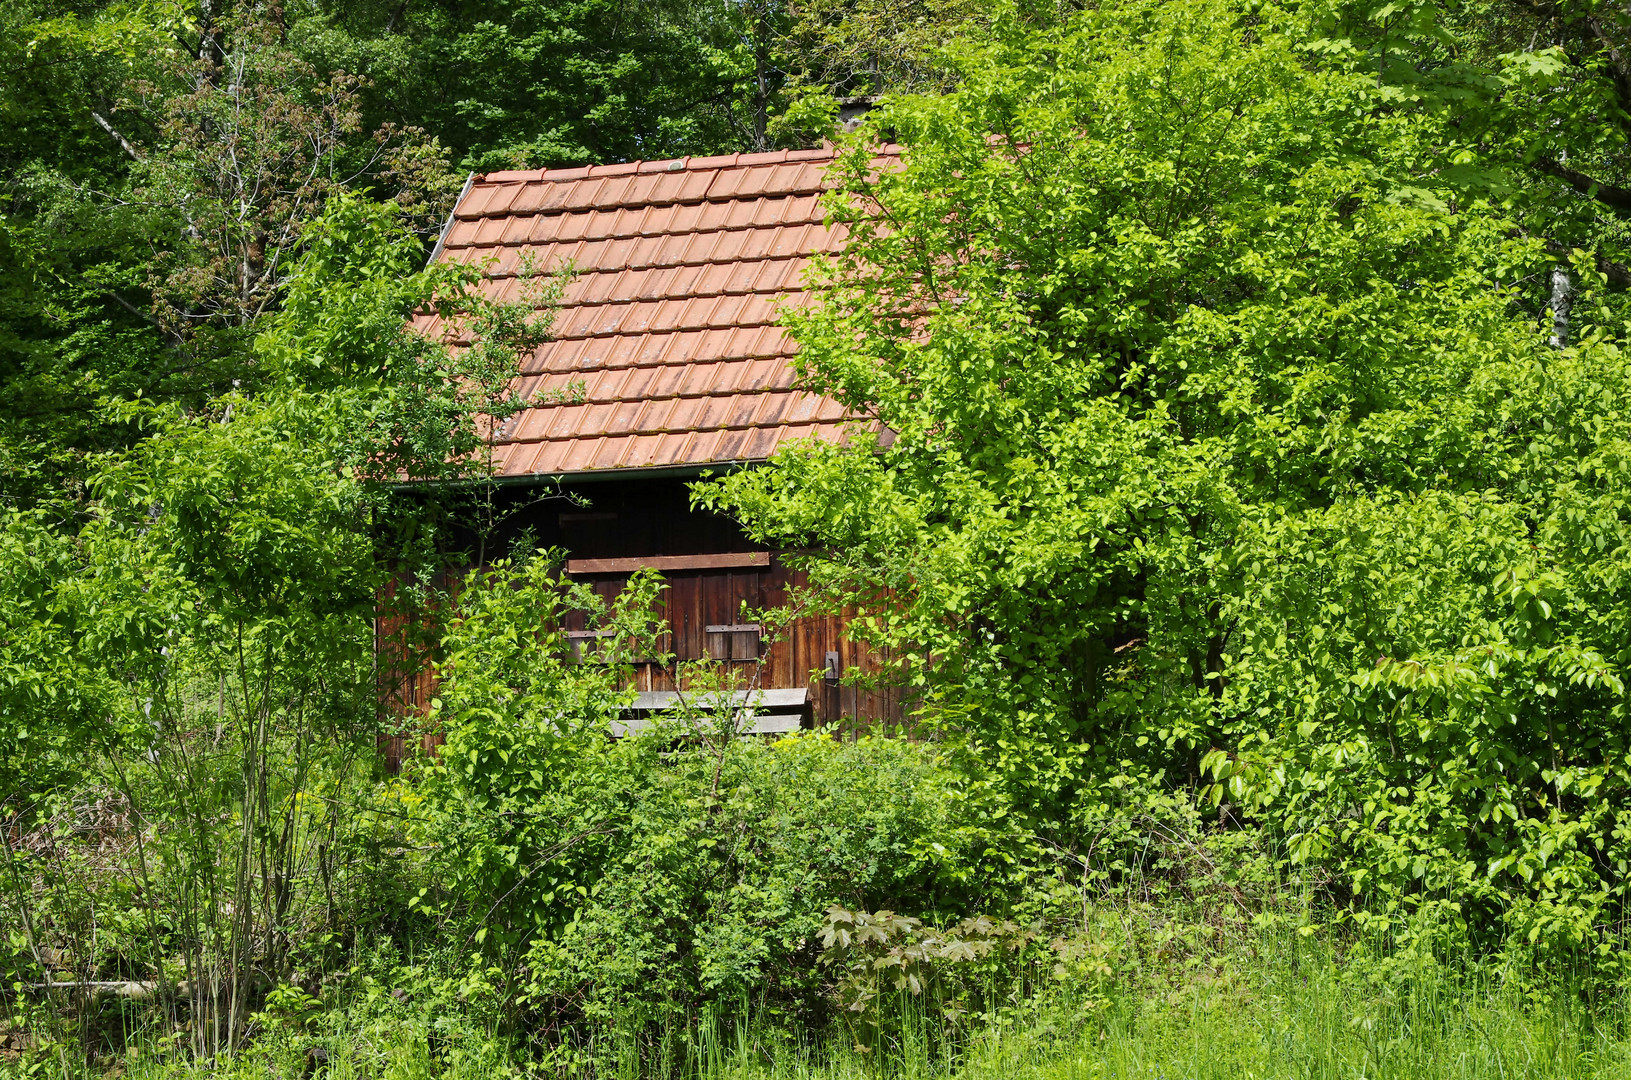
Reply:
x=667, y=330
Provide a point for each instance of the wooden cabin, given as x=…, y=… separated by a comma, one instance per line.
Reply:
x=666, y=361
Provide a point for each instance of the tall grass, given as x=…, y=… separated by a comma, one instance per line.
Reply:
x=1288, y=1011
x=1316, y=1023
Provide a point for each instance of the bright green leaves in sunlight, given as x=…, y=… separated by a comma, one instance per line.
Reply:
x=674, y=867
x=400, y=404
x=1222, y=449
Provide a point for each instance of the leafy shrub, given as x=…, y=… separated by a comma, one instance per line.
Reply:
x=717, y=891
x=680, y=866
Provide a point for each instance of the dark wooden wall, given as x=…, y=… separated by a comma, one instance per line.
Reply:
x=651, y=520
x=788, y=657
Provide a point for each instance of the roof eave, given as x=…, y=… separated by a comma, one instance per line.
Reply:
x=586, y=476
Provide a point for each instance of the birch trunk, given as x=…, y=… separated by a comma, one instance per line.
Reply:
x=1562, y=297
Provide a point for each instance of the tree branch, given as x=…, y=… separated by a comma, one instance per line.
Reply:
x=1608, y=194
x=1619, y=275
x=1617, y=66
x=124, y=142
x=145, y=316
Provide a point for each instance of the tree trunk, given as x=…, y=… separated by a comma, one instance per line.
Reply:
x=761, y=80
x=1562, y=298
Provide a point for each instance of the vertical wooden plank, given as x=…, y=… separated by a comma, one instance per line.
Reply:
x=797, y=670
x=716, y=597
x=695, y=619
x=679, y=615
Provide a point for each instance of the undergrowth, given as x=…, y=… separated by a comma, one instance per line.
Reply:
x=1268, y=1000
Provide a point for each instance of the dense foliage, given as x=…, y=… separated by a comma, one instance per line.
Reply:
x=685, y=866
x=1241, y=487
x=1225, y=447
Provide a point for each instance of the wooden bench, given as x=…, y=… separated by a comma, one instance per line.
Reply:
x=756, y=712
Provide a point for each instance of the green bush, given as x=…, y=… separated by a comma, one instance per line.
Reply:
x=717, y=890
x=682, y=866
